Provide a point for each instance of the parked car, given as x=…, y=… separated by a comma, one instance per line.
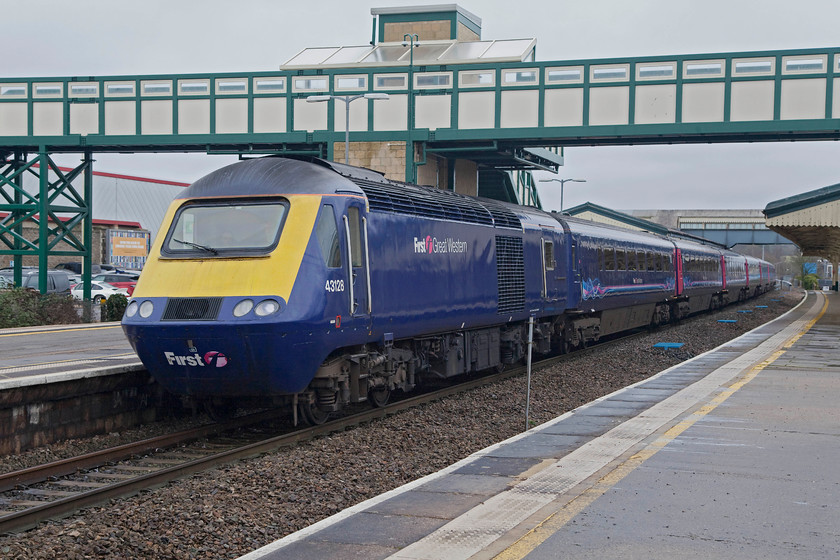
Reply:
x=58, y=281
x=127, y=281
x=99, y=291
x=76, y=267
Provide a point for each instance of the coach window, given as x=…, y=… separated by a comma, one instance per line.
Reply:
x=651, y=261
x=631, y=260
x=549, y=255
x=327, y=234
x=609, y=259
x=620, y=260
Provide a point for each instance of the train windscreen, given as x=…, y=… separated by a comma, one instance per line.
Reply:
x=219, y=228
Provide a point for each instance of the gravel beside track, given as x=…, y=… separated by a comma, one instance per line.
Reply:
x=231, y=510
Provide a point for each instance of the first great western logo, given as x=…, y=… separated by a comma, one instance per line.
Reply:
x=432, y=245
x=212, y=359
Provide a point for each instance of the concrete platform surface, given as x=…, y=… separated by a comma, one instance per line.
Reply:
x=735, y=457
x=37, y=355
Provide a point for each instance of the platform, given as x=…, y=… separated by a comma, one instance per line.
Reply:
x=49, y=354
x=732, y=454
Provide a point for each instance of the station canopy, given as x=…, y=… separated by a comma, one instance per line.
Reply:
x=811, y=220
x=425, y=53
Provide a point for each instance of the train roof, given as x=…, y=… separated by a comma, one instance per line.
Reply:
x=615, y=233
x=269, y=176
x=275, y=175
x=385, y=195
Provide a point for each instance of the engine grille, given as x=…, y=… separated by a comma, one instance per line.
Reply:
x=510, y=266
x=191, y=309
x=429, y=202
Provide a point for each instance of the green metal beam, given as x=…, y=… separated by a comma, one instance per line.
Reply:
x=39, y=208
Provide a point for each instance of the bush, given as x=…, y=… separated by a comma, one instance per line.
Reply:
x=21, y=307
x=114, y=307
x=810, y=282
x=55, y=309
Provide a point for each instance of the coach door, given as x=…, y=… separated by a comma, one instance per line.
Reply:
x=553, y=273
x=358, y=265
x=678, y=268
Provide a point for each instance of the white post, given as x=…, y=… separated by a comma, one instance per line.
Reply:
x=528, y=392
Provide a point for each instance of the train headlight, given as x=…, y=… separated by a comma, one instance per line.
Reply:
x=243, y=308
x=146, y=309
x=267, y=307
x=131, y=310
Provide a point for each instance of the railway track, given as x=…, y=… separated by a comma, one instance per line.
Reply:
x=31, y=496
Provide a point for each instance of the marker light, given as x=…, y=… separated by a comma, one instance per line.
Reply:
x=146, y=309
x=243, y=307
x=131, y=310
x=267, y=307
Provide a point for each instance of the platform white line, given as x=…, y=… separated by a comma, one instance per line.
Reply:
x=478, y=528
x=349, y=512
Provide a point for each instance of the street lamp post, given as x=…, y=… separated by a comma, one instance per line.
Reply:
x=562, y=184
x=414, y=40
x=347, y=100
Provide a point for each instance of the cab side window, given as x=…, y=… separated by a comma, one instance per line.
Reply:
x=355, y=235
x=327, y=234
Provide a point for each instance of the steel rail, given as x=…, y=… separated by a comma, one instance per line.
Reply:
x=64, y=467
x=30, y=517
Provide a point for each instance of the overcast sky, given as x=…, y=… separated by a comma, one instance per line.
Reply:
x=114, y=37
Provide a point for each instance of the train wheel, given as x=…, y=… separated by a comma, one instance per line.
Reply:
x=313, y=415
x=379, y=396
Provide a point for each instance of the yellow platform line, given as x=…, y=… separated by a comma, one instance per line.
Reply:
x=560, y=518
x=12, y=369
x=53, y=331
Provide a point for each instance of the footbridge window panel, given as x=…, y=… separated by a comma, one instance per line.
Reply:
x=433, y=111
x=563, y=107
x=519, y=109
x=121, y=118
x=609, y=105
x=753, y=100
x=477, y=109
x=656, y=104
x=13, y=119
x=232, y=116
x=803, y=99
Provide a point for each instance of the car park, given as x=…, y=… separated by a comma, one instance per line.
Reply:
x=127, y=281
x=58, y=281
x=99, y=291
x=76, y=267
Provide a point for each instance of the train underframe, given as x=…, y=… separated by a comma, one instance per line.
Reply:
x=373, y=372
